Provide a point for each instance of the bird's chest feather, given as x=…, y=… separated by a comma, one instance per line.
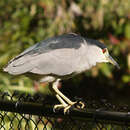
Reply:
x=82, y=63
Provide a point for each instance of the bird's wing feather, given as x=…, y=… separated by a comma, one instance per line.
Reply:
x=56, y=62
x=47, y=57
x=63, y=41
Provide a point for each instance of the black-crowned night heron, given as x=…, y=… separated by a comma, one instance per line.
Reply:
x=60, y=58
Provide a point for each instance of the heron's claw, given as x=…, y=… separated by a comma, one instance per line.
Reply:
x=67, y=109
x=56, y=108
x=79, y=104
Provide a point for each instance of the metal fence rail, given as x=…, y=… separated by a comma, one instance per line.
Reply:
x=26, y=112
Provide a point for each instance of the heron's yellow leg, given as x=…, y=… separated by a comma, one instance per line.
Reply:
x=55, y=87
x=63, y=103
x=63, y=99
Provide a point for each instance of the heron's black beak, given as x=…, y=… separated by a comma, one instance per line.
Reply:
x=112, y=61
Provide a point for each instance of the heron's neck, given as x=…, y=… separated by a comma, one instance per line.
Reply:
x=93, y=56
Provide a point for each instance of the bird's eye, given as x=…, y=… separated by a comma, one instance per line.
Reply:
x=104, y=50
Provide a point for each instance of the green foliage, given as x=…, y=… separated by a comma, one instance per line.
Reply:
x=23, y=23
x=127, y=30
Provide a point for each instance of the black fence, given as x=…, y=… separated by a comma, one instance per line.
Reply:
x=27, y=112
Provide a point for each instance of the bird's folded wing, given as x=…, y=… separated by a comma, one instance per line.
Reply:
x=58, y=62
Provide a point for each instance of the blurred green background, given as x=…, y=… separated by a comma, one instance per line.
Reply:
x=25, y=22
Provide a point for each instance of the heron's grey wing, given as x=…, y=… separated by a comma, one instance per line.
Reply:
x=21, y=63
x=47, y=56
x=25, y=52
x=63, y=41
x=19, y=66
x=58, y=62
x=16, y=65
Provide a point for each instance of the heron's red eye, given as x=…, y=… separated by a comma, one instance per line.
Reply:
x=104, y=50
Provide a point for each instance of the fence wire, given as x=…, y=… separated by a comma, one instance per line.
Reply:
x=26, y=112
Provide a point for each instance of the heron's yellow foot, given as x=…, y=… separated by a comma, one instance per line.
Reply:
x=67, y=107
x=60, y=106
